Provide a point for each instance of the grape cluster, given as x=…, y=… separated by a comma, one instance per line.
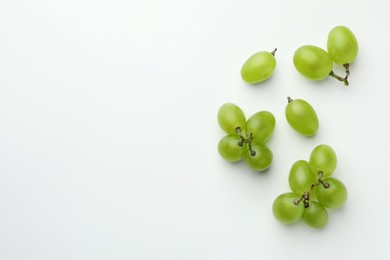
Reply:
x=246, y=138
x=313, y=190
x=316, y=64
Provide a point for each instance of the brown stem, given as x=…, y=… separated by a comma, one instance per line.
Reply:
x=345, y=79
x=273, y=52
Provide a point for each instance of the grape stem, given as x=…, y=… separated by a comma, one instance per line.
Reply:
x=247, y=140
x=306, y=195
x=290, y=99
x=273, y=52
x=346, y=66
x=339, y=78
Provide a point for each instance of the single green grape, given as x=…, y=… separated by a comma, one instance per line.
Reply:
x=258, y=67
x=313, y=62
x=302, y=117
x=315, y=215
x=342, y=45
x=261, y=125
x=301, y=177
x=260, y=158
x=231, y=148
x=231, y=117
x=323, y=159
x=285, y=210
x=334, y=196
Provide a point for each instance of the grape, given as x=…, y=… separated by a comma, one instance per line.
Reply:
x=334, y=196
x=342, y=45
x=258, y=67
x=301, y=177
x=261, y=125
x=302, y=117
x=262, y=158
x=313, y=62
x=230, y=117
x=323, y=158
x=285, y=210
x=231, y=148
x=315, y=215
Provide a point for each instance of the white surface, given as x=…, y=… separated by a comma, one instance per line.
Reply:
x=108, y=129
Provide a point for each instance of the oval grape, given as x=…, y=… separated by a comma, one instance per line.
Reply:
x=302, y=117
x=315, y=215
x=342, y=45
x=285, y=210
x=231, y=117
x=261, y=125
x=334, y=196
x=323, y=159
x=231, y=148
x=258, y=67
x=313, y=62
x=301, y=177
x=262, y=158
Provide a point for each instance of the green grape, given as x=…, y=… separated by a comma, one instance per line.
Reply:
x=313, y=62
x=315, y=215
x=323, y=159
x=334, y=196
x=261, y=125
x=301, y=177
x=231, y=148
x=342, y=45
x=230, y=117
x=285, y=210
x=258, y=67
x=302, y=117
x=260, y=159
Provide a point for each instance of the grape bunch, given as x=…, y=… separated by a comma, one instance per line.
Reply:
x=313, y=190
x=246, y=138
x=316, y=64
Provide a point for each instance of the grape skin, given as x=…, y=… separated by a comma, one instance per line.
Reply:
x=285, y=210
x=261, y=125
x=323, y=159
x=258, y=67
x=301, y=177
x=315, y=215
x=333, y=197
x=262, y=159
x=229, y=149
x=342, y=45
x=301, y=117
x=313, y=62
x=230, y=117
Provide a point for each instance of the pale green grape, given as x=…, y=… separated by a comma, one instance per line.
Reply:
x=334, y=196
x=302, y=117
x=258, y=67
x=301, y=177
x=231, y=148
x=313, y=62
x=261, y=125
x=323, y=159
x=342, y=45
x=285, y=210
x=315, y=215
x=230, y=117
x=262, y=158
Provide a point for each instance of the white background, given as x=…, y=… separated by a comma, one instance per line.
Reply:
x=108, y=131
